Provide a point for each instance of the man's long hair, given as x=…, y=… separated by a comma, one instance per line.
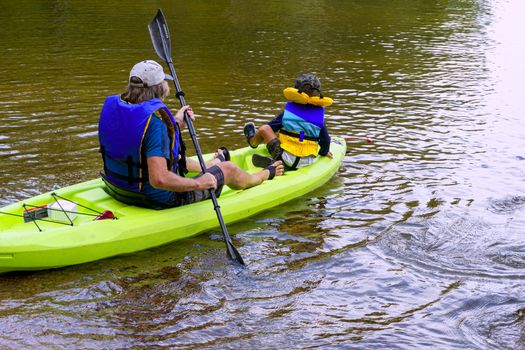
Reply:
x=136, y=95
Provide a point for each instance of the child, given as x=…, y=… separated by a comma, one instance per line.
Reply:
x=302, y=130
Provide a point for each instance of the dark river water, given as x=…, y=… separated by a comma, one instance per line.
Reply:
x=418, y=242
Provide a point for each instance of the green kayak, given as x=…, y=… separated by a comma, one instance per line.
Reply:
x=67, y=227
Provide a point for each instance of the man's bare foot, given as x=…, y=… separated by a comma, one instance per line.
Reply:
x=276, y=169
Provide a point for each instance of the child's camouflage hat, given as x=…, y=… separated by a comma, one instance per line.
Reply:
x=309, y=84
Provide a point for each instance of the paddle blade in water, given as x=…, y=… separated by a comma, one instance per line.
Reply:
x=236, y=255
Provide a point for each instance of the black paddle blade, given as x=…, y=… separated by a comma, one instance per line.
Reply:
x=237, y=256
x=160, y=36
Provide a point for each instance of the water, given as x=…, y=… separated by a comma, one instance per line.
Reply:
x=417, y=242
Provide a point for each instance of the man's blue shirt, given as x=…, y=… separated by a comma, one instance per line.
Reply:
x=156, y=143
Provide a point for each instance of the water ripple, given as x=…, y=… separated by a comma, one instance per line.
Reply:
x=417, y=242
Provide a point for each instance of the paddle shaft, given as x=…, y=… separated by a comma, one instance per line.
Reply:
x=231, y=250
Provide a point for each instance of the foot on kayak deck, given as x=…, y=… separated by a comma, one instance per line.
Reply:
x=261, y=161
x=249, y=132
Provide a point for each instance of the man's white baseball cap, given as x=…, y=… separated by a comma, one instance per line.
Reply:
x=149, y=72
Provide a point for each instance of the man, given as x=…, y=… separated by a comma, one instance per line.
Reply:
x=142, y=149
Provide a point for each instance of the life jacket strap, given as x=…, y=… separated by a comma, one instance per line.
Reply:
x=129, y=162
x=182, y=168
x=130, y=197
x=300, y=136
x=130, y=170
x=173, y=131
x=125, y=177
x=295, y=163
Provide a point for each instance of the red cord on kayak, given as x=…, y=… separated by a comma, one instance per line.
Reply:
x=359, y=138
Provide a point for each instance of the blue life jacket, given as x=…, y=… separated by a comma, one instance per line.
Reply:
x=121, y=131
x=302, y=124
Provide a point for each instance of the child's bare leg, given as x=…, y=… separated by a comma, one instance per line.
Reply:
x=263, y=135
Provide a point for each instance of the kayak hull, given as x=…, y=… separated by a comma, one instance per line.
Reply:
x=37, y=245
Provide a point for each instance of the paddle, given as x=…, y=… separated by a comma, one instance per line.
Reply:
x=160, y=37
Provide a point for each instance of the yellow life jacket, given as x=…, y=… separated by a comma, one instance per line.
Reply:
x=292, y=94
x=292, y=144
x=301, y=127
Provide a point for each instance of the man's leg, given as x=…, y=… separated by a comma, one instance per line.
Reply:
x=184, y=198
x=226, y=173
x=237, y=178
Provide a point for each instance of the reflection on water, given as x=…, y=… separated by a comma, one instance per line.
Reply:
x=417, y=241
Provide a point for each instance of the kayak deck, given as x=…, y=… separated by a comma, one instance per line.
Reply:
x=40, y=244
